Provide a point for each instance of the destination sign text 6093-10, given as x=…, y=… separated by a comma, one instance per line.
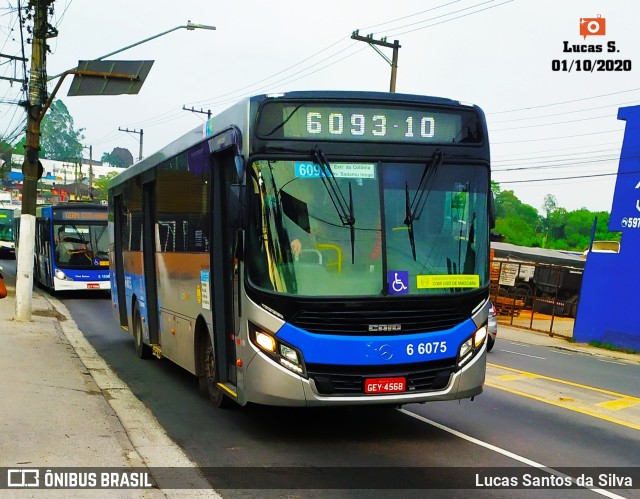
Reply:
x=361, y=122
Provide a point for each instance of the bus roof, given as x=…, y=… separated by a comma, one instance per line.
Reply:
x=239, y=113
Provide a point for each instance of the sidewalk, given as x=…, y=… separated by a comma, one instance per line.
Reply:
x=544, y=339
x=62, y=406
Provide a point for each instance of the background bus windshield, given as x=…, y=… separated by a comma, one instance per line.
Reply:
x=81, y=245
x=314, y=236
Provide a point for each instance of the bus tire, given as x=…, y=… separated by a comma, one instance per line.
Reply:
x=142, y=351
x=208, y=379
x=490, y=343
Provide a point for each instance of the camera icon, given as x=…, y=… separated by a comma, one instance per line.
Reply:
x=593, y=26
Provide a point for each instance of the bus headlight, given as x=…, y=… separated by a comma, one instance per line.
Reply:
x=286, y=355
x=62, y=276
x=472, y=345
x=266, y=342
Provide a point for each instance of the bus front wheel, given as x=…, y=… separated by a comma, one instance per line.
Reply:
x=208, y=379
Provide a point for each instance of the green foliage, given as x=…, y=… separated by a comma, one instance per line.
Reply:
x=102, y=185
x=6, y=150
x=613, y=348
x=58, y=137
x=521, y=224
x=120, y=157
x=516, y=231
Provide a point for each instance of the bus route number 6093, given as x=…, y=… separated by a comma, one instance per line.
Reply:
x=427, y=348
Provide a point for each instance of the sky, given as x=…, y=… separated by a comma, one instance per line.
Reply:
x=552, y=131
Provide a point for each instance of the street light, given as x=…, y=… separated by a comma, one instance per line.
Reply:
x=189, y=26
x=36, y=110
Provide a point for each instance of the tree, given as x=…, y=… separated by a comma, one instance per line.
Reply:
x=508, y=205
x=516, y=221
x=6, y=150
x=550, y=204
x=102, y=185
x=120, y=157
x=58, y=137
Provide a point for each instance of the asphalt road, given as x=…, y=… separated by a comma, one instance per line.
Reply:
x=503, y=427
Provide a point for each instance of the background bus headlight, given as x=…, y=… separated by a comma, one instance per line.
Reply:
x=472, y=345
x=62, y=276
x=286, y=355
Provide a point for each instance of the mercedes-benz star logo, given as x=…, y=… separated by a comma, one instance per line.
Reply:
x=386, y=352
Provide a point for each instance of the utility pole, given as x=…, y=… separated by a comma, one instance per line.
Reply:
x=139, y=132
x=31, y=168
x=14, y=79
x=207, y=112
x=382, y=42
x=90, y=170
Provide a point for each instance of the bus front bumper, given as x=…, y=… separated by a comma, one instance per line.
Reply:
x=75, y=285
x=271, y=384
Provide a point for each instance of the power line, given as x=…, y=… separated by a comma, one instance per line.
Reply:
x=412, y=15
x=596, y=175
x=568, y=148
x=565, y=102
x=293, y=78
x=557, y=156
x=453, y=18
x=537, y=125
x=557, y=165
x=568, y=112
x=560, y=137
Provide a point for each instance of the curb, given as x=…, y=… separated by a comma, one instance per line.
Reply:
x=150, y=444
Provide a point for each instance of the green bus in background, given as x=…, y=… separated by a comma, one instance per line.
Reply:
x=7, y=234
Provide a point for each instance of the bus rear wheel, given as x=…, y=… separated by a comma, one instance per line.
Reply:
x=208, y=379
x=142, y=351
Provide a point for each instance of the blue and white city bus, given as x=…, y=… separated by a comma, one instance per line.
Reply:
x=72, y=247
x=312, y=249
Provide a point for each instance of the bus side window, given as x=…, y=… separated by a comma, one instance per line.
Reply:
x=166, y=236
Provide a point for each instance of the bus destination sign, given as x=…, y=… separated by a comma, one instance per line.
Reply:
x=362, y=122
x=78, y=215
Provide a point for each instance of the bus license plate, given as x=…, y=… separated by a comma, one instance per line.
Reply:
x=385, y=385
x=93, y=285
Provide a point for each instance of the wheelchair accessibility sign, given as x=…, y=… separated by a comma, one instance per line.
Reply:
x=398, y=282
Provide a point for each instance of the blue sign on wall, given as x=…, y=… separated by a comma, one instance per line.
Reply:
x=625, y=213
x=608, y=310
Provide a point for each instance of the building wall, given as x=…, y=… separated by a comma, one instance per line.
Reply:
x=65, y=171
x=609, y=308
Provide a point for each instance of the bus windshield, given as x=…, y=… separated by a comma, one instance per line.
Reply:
x=374, y=229
x=81, y=245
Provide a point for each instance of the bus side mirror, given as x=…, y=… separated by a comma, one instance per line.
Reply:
x=236, y=207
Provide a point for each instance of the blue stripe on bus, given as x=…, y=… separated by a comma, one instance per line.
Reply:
x=377, y=350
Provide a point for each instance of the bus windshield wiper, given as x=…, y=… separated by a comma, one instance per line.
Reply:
x=413, y=209
x=343, y=209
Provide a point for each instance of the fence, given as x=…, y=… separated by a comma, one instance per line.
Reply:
x=535, y=296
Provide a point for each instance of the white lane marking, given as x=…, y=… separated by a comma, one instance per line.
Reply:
x=504, y=452
x=524, y=354
x=519, y=344
x=559, y=352
x=613, y=362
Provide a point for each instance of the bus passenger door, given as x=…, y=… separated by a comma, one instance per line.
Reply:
x=118, y=259
x=223, y=266
x=149, y=259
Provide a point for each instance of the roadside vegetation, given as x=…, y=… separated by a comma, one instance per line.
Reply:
x=556, y=228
